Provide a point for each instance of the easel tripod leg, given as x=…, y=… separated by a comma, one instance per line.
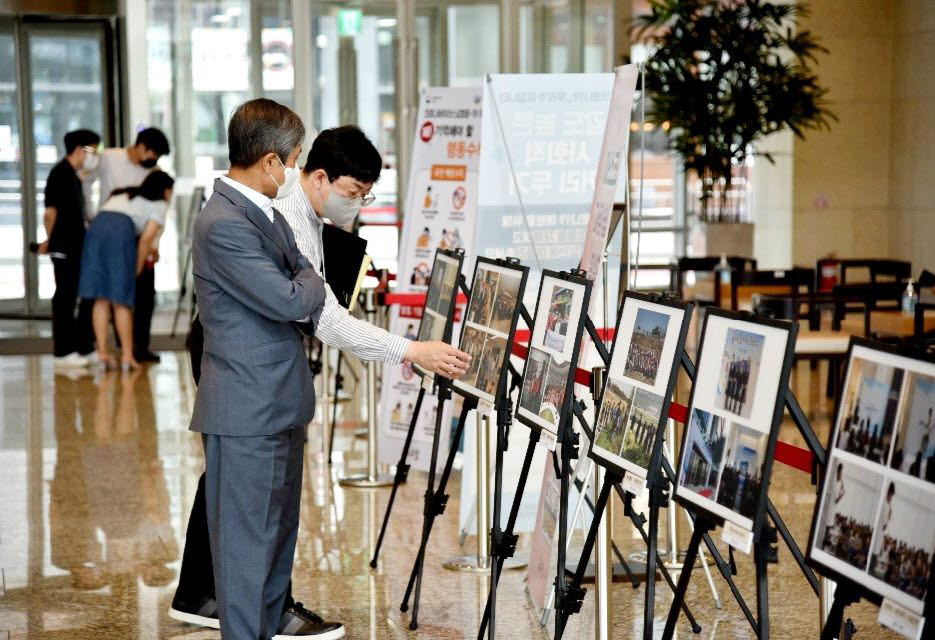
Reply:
x=690, y=555
x=402, y=470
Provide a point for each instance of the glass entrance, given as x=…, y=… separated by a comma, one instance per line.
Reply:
x=54, y=77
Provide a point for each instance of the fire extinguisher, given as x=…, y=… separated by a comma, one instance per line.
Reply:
x=828, y=274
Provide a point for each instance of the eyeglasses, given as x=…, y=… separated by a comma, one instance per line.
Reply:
x=90, y=149
x=365, y=200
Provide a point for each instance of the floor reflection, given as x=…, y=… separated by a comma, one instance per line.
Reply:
x=97, y=476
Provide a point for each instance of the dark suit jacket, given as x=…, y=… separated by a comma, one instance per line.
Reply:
x=253, y=287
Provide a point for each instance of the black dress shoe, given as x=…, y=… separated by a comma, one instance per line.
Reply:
x=298, y=623
x=148, y=356
x=204, y=614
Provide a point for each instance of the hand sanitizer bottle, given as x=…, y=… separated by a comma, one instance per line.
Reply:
x=909, y=299
x=723, y=270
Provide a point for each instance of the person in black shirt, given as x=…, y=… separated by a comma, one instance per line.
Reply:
x=64, y=222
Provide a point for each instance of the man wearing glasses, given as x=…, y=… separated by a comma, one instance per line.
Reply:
x=64, y=222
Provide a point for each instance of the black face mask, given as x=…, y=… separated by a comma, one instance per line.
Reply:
x=149, y=163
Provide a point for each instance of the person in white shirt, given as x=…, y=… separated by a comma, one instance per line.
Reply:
x=335, y=182
x=115, y=249
x=120, y=168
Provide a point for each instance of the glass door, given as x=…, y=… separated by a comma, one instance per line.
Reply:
x=67, y=91
x=12, y=260
x=54, y=77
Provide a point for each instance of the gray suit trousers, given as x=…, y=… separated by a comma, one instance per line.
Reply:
x=252, y=491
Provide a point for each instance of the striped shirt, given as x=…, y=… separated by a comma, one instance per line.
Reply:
x=336, y=328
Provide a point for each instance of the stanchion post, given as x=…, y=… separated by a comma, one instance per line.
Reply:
x=372, y=479
x=603, y=563
x=324, y=398
x=825, y=600
x=479, y=562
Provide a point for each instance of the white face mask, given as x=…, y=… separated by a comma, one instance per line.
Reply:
x=91, y=161
x=341, y=210
x=292, y=176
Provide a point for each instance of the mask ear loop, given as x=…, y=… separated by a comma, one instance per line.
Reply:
x=278, y=186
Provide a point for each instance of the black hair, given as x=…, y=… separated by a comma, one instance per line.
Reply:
x=154, y=140
x=345, y=151
x=80, y=138
x=892, y=489
x=259, y=127
x=152, y=188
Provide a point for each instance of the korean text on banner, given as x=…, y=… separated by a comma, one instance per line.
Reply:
x=441, y=200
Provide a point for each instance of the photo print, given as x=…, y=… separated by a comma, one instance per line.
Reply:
x=504, y=305
x=874, y=523
x=740, y=377
x=740, y=367
x=704, y=451
x=556, y=325
x=485, y=336
x=472, y=343
x=483, y=298
x=904, y=538
x=643, y=355
x=548, y=370
x=438, y=298
x=914, y=449
x=739, y=485
x=871, y=400
x=615, y=407
x=649, y=336
x=851, y=497
x=537, y=366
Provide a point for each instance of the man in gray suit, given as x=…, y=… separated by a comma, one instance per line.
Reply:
x=256, y=295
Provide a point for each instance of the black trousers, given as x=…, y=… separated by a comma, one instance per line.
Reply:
x=70, y=333
x=196, y=577
x=143, y=309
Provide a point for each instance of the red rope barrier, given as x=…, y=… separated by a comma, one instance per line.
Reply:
x=795, y=457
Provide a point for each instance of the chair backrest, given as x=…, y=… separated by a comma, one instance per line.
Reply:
x=709, y=264
x=879, y=270
x=788, y=281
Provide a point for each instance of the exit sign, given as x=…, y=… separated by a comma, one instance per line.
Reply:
x=349, y=21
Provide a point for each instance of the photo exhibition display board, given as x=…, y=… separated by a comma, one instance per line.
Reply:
x=874, y=522
x=735, y=409
x=440, y=206
x=489, y=324
x=438, y=314
x=644, y=365
x=549, y=373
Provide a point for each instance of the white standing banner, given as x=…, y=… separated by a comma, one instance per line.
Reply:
x=441, y=201
x=542, y=136
x=567, y=151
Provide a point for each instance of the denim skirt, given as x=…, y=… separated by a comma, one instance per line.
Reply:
x=108, y=262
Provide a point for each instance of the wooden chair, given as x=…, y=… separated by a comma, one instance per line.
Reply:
x=789, y=281
x=709, y=264
x=879, y=270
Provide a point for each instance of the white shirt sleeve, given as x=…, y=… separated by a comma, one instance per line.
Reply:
x=338, y=328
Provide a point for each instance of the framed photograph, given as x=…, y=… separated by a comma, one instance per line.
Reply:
x=644, y=364
x=548, y=377
x=438, y=313
x=735, y=409
x=487, y=334
x=874, y=521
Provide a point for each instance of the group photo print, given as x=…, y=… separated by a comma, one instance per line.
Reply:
x=496, y=293
x=645, y=350
x=875, y=522
x=552, y=350
x=741, y=375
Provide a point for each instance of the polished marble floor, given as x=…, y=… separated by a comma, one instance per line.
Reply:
x=97, y=475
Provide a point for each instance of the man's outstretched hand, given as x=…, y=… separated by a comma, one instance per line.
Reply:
x=438, y=357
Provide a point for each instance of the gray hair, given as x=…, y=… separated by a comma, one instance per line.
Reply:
x=259, y=127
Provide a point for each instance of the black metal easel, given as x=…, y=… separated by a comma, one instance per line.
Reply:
x=435, y=497
x=765, y=549
x=402, y=467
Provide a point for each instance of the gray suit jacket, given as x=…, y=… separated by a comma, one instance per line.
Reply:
x=253, y=287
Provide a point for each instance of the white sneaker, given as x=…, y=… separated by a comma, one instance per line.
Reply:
x=72, y=361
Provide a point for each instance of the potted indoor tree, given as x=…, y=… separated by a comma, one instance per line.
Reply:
x=721, y=76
